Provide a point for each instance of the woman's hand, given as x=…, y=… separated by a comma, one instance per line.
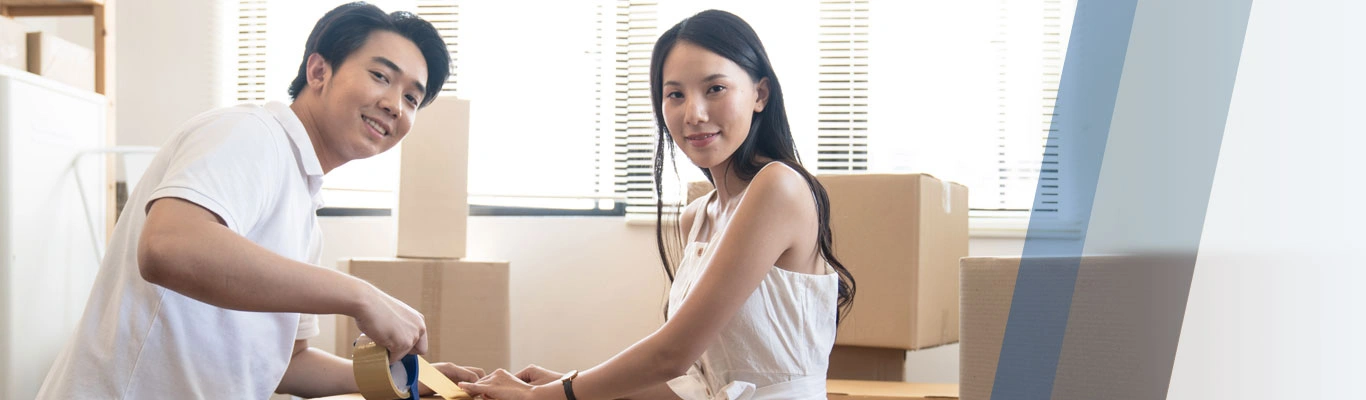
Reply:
x=536, y=376
x=502, y=385
x=456, y=373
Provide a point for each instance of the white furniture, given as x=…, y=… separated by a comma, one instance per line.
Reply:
x=47, y=256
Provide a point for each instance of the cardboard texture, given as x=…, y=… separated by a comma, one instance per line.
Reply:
x=1121, y=332
x=13, y=44
x=698, y=189
x=865, y=390
x=465, y=304
x=60, y=60
x=901, y=236
x=867, y=364
x=433, y=204
x=837, y=389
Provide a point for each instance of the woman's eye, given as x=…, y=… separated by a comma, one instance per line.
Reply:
x=379, y=76
x=674, y=95
x=716, y=88
x=411, y=99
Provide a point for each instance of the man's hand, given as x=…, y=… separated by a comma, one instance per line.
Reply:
x=392, y=324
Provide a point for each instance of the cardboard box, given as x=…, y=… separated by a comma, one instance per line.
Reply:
x=901, y=236
x=13, y=44
x=836, y=389
x=433, y=204
x=465, y=304
x=698, y=189
x=60, y=60
x=867, y=364
x=1122, y=327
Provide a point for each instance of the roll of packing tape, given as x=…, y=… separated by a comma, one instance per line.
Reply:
x=378, y=380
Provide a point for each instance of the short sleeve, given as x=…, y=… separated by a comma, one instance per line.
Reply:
x=233, y=166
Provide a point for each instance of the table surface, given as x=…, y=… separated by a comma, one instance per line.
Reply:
x=833, y=386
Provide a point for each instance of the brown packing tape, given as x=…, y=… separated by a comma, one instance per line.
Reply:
x=437, y=381
x=370, y=365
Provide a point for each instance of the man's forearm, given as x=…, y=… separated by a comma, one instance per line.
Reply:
x=210, y=263
x=316, y=373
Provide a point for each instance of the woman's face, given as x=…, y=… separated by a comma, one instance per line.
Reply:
x=708, y=103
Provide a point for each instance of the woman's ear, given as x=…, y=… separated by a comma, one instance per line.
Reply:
x=318, y=71
x=761, y=89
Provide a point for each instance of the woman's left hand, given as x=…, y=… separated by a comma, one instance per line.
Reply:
x=502, y=385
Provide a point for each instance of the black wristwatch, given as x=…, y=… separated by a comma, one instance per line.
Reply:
x=568, y=381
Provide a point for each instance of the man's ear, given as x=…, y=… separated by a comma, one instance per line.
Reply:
x=761, y=89
x=318, y=71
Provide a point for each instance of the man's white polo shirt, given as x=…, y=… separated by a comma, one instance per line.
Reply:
x=255, y=168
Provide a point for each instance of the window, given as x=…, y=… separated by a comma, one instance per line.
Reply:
x=962, y=90
x=842, y=116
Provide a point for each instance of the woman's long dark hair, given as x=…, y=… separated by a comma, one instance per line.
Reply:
x=770, y=136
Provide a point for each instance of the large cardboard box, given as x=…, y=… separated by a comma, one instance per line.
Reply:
x=465, y=304
x=433, y=202
x=60, y=60
x=1122, y=324
x=13, y=44
x=837, y=389
x=901, y=236
x=867, y=364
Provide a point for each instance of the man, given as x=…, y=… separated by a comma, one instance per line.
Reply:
x=210, y=286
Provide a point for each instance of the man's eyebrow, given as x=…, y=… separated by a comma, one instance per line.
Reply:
x=390, y=64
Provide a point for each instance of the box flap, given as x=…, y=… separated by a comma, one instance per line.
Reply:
x=873, y=390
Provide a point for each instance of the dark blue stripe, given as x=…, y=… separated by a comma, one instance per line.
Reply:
x=1043, y=294
x=1163, y=145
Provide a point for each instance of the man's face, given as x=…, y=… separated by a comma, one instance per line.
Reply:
x=370, y=101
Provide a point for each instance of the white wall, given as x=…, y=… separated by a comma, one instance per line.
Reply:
x=167, y=58
x=583, y=288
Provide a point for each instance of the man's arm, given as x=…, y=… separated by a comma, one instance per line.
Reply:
x=188, y=249
x=316, y=373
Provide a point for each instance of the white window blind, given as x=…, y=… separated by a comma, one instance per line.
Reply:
x=1049, y=198
x=1030, y=43
x=842, y=120
x=533, y=82
x=637, y=27
x=537, y=137
x=250, y=55
x=965, y=91
x=445, y=17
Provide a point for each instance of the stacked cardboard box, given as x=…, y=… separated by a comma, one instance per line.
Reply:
x=901, y=236
x=1121, y=330
x=464, y=302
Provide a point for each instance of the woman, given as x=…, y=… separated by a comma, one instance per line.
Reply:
x=757, y=292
